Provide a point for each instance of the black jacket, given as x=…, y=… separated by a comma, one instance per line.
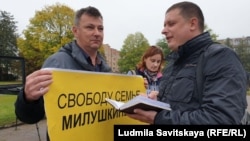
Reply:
x=224, y=93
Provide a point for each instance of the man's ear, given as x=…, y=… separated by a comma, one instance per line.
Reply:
x=74, y=30
x=194, y=24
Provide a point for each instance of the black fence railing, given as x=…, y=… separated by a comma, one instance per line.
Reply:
x=12, y=74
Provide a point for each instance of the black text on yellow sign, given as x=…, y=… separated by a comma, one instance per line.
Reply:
x=75, y=104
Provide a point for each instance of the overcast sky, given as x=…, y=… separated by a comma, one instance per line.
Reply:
x=227, y=18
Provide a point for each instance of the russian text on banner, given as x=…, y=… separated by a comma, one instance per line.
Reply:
x=76, y=108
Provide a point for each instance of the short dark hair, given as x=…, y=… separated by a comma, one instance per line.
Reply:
x=91, y=11
x=189, y=10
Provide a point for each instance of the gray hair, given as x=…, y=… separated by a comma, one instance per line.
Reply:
x=91, y=11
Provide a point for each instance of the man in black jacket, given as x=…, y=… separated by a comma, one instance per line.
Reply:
x=223, y=97
x=80, y=54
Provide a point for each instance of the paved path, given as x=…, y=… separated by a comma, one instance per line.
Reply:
x=28, y=132
x=25, y=132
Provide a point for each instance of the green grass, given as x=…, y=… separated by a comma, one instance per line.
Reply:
x=7, y=114
x=10, y=82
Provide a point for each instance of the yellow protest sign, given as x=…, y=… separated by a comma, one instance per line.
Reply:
x=75, y=105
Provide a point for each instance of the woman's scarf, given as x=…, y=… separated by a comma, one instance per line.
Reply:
x=152, y=76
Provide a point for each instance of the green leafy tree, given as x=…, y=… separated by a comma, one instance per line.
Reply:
x=8, y=35
x=48, y=30
x=131, y=52
x=163, y=44
x=214, y=36
x=228, y=43
x=8, y=44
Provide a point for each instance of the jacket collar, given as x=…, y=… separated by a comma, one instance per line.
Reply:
x=77, y=53
x=197, y=43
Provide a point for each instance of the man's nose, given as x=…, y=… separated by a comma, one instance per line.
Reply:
x=97, y=31
x=164, y=31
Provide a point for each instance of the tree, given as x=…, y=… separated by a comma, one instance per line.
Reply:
x=213, y=35
x=163, y=44
x=49, y=29
x=8, y=45
x=8, y=35
x=131, y=52
x=228, y=43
